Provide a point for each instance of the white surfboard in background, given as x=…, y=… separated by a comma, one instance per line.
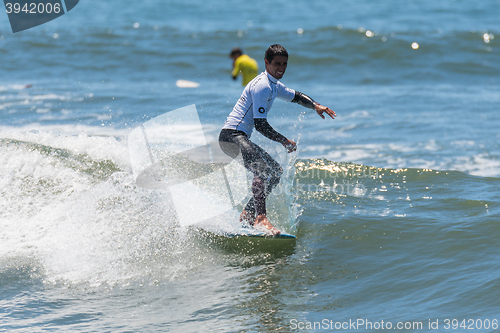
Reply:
x=186, y=84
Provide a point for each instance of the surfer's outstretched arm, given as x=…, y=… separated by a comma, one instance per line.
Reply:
x=320, y=109
x=308, y=102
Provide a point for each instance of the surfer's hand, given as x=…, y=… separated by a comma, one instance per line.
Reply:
x=320, y=109
x=290, y=146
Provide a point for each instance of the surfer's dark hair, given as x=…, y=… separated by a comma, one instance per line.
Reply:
x=275, y=50
x=235, y=51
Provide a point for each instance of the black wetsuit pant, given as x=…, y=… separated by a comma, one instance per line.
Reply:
x=266, y=170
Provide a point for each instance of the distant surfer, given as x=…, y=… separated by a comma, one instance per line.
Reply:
x=244, y=65
x=251, y=110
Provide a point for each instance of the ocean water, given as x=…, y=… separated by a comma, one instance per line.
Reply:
x=396, y=202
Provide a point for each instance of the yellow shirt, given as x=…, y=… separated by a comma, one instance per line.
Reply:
x=247, y=67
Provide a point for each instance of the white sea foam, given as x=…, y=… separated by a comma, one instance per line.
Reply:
x=69, y=201
x=420, y=155
x=80, y=220
x=484, y=165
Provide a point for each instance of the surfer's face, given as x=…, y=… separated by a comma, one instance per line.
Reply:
x=277, y=66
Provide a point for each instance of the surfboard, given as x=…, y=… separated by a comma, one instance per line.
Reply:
x=248, y=232
x=250, y=241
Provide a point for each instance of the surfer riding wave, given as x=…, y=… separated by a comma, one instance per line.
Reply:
x=251, y=111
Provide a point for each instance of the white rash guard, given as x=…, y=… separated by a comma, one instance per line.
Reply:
x=256, y=101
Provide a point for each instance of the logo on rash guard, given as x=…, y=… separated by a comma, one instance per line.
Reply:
x=262, y=110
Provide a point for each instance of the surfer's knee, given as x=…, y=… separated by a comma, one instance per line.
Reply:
x=259, y=168
x=277, y=172
x=274, y=175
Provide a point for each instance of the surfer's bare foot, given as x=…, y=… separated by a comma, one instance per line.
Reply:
x=262, y=223
x=247, y=218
